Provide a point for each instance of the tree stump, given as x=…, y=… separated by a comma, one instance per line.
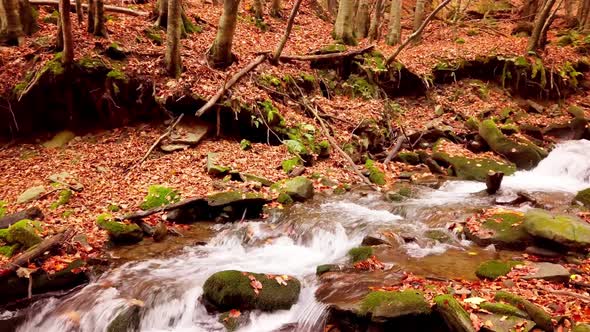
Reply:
x=493, y=182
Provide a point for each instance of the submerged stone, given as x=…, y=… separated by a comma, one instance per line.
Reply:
x=568, y=231
x=384, y=305
x=233, y=289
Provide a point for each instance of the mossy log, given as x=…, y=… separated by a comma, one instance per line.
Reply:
x=33, y=213
x=538, y=315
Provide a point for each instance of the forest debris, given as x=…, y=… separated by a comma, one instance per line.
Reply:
x=107, y=8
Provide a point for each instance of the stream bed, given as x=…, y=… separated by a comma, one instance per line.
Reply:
x=296, y=241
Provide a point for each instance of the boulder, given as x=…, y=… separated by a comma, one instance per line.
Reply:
x=455, y=317
x=549, y=272
x=468, y=168
x=120, y=233
x=66, y=179
x=518, y=150
x=583, y=197
x=24, y=232
x=565, y=230
x=233, y=289
x=504, y=230
x=538, y=315
x=213, y=168
x=408, y=157
x=30, y=194
x=384, y=305
x=494, y=269
x=299, y=188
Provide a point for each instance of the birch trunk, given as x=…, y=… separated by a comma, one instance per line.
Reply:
x=395, y=24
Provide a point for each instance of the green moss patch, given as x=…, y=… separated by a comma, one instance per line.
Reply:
x=494, y=269
x=583, y=197
x=159, y=196
x=503, y=309
x=9, y=250
x=64, y=198
x=538, y=315
x=375, y=174
x=360, y=253
x=119, y=232
x=454, y=315
x=24, y=232
x=394, y=304
x=505, y=230
x=566, y=230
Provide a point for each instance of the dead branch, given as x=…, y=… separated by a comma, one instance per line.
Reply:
x=279, y=50
x=417, y=32
x=394, y=150
x=108, y=8
x=329, y=56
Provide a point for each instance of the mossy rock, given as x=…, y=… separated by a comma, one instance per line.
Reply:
x=255, y=178
x=384, y=305
x=64, y=198
x=324, y=149
x=126, y=320
x=299, y=188
x=290, y=164
x=520, y=151
x=284, y=198
x=298, y=149
x=245, y=145
x=538, y=315
x=472, y=124
x=360, y=253
x=4, y=234
x=235, y=197
x=581, y=328
x=583, y=197
x=504, y=230
x=30, y=194
x=24, y=232
x=9, y=250
x=233, y=322
x=115, y=51
x=494, y=269
x=470, y=168
x=408, y=157
x=159, y=196
x=232, y=289
x=324, y=268
x=213, y=168
x=504, y=323
x=568, y=231
x=454, y=315
x=503, y=309
x=120, y=233
x=376, y=176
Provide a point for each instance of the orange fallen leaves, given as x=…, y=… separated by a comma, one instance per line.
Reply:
x=369, y=264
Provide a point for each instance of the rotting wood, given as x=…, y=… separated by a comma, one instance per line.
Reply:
x=108, y=8
x=329, y=56
x=398, y=145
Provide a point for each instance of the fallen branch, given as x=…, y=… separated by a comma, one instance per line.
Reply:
x=143, y=214
x=394, y=150
x=230, y=83
x=567, y=293
x=417, y=32
x=108, y=8
x=46, y=245
x=329, y=56
x=279, y=50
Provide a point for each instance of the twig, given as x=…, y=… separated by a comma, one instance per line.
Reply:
x=394, y=150
x=279, y=50
x=417, y=32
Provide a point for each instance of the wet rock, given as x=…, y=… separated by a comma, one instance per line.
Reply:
x=549, y=272
x=233, y=319
x=502, y=323
x=126, y=320
x=383, y=305
x=438, y=235
x=494, y=269
x=455, y=317
x=299, y=188
x=538, y=315
x=321, y=269
x=198, y=210
x=583, y=197
x=30, y=194
x=538, y=251
x=66, y=179
x=410, y=158
x=213, y=168
x=476, y=168
x=233, y=289
x=520, y=151
x=565, y=230
x=60, y=139
x=376, y=175
x=374, y=240
x=33, y=213
x=360, y=253
x=504, y=230
x=503, y=309
x=120, y=233
x=160, y=232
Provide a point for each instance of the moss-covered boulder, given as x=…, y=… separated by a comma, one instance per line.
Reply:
x=233, y=320
x=233, y=289
x=581, y=328
x=518, y=150
x=468, y=168
x=494, y=269
x=63, y=198
x=9, y=250
x=538, y=315
x=234, y=197
x=583, y=197
x=384, y=305
x=214, y=168
x=454, y=315
x=159, y=196
x=565, y=230
x=299, y=188
x=360, y=253
x=503, y=309
x=126, y=320
x=24, y=232
x=120, y=232
x=504, y=230
x=376, y=175
x=408, y=157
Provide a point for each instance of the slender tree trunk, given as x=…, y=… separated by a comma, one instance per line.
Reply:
x=220, y=54
x=343, y=25
x=99, y=27
x=584, y=14
x=275, y=10
x=162, y=20
x=59, y=39
x=257, y=9
x=377, y=15
x=173, y=31
x=362, y=19
x=395, y=24
x=540, y=19
x=79, y=12
x=91, y=11
x=419, y=13
x=66, y=27
x=11, y=29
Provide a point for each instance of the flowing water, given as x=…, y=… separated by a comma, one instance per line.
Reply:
x=295, y=242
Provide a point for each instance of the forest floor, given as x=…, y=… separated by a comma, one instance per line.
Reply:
x=99, y=159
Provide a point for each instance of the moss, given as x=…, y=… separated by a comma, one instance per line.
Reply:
x=360, y=253
x=91, y=62
x=230, y=197
x=453, y=313
x=245, y=144
x=324, y=149
x=299, y=188
x=3, y=208
x=213, y=168
x=24, y=232
x=64, y=198
x=333, y=48
x=232, y=290
x=460, y=41
x=494, y=269
x=9, y=250
x=581, y=327
x=230, y=323
x=360, y=87
x=321, y=269
x=270, y=80
x=284, y=198
x=4, y=234
x=117, y=75
x=68, y=213
x=113, y=208
x=298, y=149
x=503, y=309
x=119, y=232
x=582, y=196
x=566, y=230
x=159, y=196
x=289, y=164
x=394, y=304
x=375, y=174
x=505, y=230
x=309, y=78
x=153, y=35
x=538, y=315
x=408, y=157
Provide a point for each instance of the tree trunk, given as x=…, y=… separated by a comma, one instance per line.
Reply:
x=99, y=28
x=584, y=14
x=162, y=20
x=275, y=10
x=375, y=27
x=542, y=16
x=257, y=9
x=529, y=10
x=59, y=39
x=173, y=60
x=79, y=12
x=11, y=29
x=220, y=54
x=66, y=27
x=419, y=14
x=91, y=11
x=395, y=24
x=343, y=25
x=361, y=24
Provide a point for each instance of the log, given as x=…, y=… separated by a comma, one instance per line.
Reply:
x=143, y=214
x=108, y=8
x=33, y=213
x=493, y=182
x=36, y=251
x=329, y=56
x=394, y=150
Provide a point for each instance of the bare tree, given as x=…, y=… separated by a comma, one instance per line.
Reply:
x=394, y=36
x=539, y=25
x=91, y=11
x=220, y=54
x=99, y=27
x=66, y=28
x=343, y=26
x=377, y=15
x=419, y=15
x=529, y=10
x=16, y=21
x=362, y=18
x=172, y=59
